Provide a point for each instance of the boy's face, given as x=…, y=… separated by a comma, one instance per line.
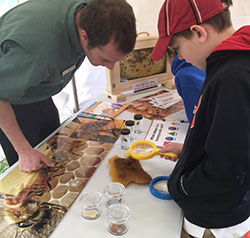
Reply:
x=193, y=50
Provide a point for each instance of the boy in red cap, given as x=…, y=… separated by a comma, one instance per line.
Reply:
x=211, y=180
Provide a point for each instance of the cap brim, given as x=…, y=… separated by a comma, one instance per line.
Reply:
x=160, y=48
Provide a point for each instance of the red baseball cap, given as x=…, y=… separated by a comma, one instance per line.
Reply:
x=178, y=15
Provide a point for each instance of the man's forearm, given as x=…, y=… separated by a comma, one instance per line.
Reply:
x=11, y=128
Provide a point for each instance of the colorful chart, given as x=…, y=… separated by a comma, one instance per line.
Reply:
x=162, y=132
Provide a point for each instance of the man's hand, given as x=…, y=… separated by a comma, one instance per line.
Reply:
x=175, y=148
x=29, y=158
x=32, y=160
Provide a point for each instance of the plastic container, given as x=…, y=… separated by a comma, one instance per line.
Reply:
x=117, y=216
x=91, y=205
x=114, y=193
x=125, y=140
x=130, y=125
x=138, y=123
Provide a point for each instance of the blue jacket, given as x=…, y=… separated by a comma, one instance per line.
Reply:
x=188, y=81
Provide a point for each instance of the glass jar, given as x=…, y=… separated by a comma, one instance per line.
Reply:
x=91, y=205
x=138, y=123
x=117, y=216
x=125, y=141
x=114, y=193
x=130, y=125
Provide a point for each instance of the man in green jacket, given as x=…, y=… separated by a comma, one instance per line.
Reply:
x=42, y=44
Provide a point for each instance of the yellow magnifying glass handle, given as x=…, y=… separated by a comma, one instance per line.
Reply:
x=170, y=154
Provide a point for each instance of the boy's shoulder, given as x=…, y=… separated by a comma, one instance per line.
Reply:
x=240, y=40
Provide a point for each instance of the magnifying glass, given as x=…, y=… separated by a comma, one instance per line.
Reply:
x=142, y=150
x=159, y=188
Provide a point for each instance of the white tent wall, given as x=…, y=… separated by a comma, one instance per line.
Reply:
x=146, y=12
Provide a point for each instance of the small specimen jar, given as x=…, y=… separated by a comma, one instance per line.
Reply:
x=138, y=123
x=125, y=138
x=91, y=205
x=130, y=125
x=117, y=216
x=114, y=193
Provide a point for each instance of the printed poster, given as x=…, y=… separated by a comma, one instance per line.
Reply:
x=32, y=204
x=105, y=109
x=158, y=105
x=162, y=132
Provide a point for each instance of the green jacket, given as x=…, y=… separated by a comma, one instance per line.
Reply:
x=39, y=49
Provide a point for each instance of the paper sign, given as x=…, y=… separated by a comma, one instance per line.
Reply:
x=146, y=84
x=162, y=132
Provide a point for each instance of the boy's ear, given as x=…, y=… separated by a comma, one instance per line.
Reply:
x=200, y=32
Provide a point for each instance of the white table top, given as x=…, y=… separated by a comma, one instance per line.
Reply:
x=149, y=216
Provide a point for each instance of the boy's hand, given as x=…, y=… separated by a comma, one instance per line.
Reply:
x=175, y=148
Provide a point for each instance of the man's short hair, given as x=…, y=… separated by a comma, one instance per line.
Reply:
x=109, y=20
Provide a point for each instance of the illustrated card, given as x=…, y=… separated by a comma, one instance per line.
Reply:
x=162, y=132
x=158, y=105
x=108, y=109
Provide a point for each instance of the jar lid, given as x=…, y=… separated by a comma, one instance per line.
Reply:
x=118, y=213
x=91, y=199
x=114, y=190
x=137, y=116
x=129, y=123
x=125, y=131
